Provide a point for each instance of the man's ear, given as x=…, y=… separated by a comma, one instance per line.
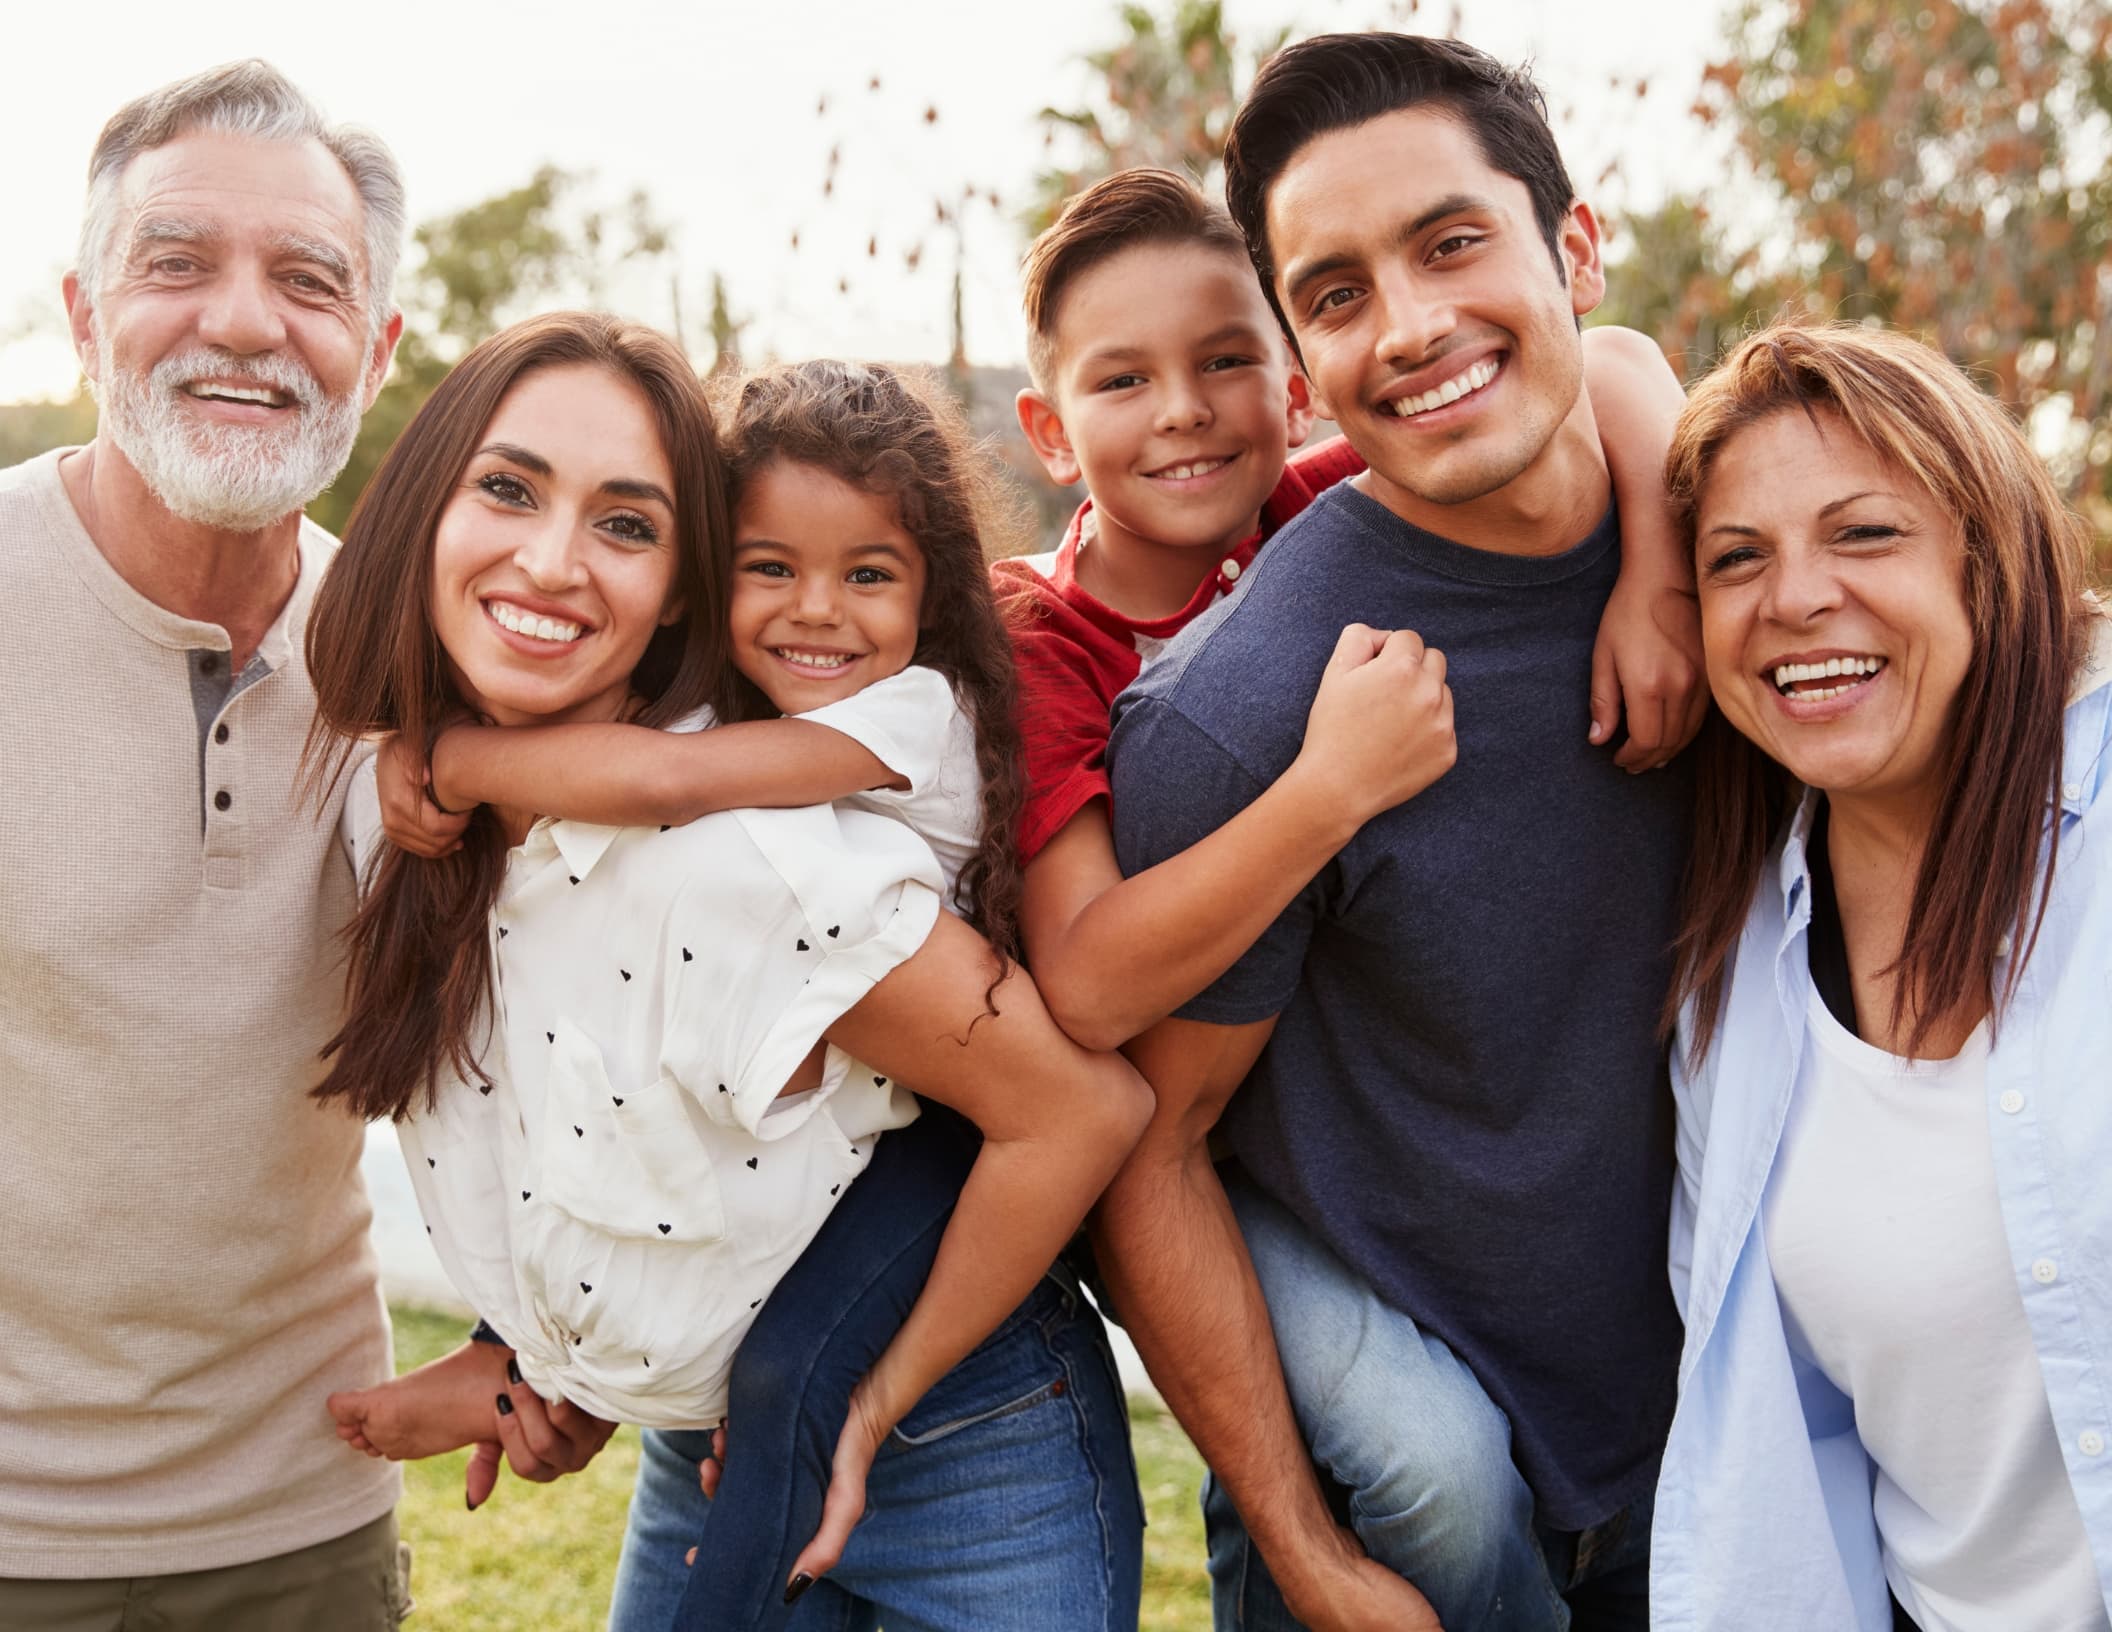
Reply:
x=1301, y=408
x=80, y=312
x=1042, y=426
x=1580, y=252
x=378, y=363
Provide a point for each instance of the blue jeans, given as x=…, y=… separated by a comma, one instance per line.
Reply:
x=1006, y=1499
x=1418, y=1460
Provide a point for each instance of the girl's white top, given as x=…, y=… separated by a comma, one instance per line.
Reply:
x=913, y=725
x=623, y=1188
x=1885, y=1230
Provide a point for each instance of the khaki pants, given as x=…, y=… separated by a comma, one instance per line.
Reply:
x=357, y=1583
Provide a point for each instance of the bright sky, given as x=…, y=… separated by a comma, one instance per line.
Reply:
x=711, y=107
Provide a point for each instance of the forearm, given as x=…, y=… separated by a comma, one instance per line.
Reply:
x=1022, y=1203
x=636, y=776
x=1177, y=1267
x=1056, y=1121
x=1140, y=949
x=1636, y=401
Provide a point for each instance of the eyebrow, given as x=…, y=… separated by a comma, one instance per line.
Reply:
x=1103, y=355
x=177, y=229
x=319, y=250
x=617, y=487
x=1450, y=204
x=1740, y=529
x=171, y=229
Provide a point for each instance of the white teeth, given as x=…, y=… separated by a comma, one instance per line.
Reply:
x=1472, y=379
x=1181, y=473
x=1856, y=668
x=527, y=623
x=811, y=660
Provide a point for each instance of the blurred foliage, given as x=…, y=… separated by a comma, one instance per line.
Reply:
x=30, y=428
x=1940, y=166
x=473, y=272
x=1164, y=94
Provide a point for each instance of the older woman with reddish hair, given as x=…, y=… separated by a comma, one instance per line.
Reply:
x=1892, y=1239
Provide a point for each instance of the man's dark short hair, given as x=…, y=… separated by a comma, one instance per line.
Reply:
x=1122, y=211
x=1335, y=81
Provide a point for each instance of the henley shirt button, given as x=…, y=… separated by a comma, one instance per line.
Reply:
x=1230, y=568
x=220, y=732
x=2044, y=1271
x=209, y=663
x=223, y=800
x=2011, y=1101
x=2092, y=1442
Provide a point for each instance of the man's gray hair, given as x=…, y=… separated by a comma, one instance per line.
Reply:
x=246, y=99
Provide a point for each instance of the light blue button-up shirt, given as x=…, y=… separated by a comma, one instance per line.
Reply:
x=1763, y=1506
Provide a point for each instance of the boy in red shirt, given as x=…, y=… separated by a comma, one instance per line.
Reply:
x=1162, y=379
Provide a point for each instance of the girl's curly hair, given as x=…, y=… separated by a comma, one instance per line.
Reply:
x=900, y=434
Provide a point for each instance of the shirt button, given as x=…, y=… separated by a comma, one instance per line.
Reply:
x=2002, y=947
x=1230, y=568
x=2071, y=790
x=2011, y=1101
x=209, y=663
x=223, y=800
x=2092, y=1442
x=2044, y=1271
x=220, y=732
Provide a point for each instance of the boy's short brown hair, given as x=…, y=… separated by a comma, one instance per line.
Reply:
x=1127, y=209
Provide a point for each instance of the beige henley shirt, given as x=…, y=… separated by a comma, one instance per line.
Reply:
x=184, y=1264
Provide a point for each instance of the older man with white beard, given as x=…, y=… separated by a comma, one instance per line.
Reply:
x=185, y=1271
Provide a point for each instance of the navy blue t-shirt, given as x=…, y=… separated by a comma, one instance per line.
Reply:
x=1464, y=1097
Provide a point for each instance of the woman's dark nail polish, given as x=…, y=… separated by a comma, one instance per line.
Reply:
x=505, y=1406
x=800, y=1583
x=513, y=1371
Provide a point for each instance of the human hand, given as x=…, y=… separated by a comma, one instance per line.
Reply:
x=1380, y=728
x=539, y=1441
x=1354, y=1593
x=709, y=1472
x=409, y=818
x=1647, y=663
x=864, y=1431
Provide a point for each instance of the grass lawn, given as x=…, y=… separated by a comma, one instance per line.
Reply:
x=541, y=1558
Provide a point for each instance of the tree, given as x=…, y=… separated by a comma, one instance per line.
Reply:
x=1939, y=167
x=477, y=270
x=1167, y=92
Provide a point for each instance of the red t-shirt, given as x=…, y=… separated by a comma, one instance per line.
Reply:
x=1075, y=653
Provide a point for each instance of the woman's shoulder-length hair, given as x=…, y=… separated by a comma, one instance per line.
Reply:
x=2026, y=567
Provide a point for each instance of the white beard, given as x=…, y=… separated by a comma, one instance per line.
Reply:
x=240, y=478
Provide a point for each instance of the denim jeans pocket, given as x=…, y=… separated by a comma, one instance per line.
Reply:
x=1013, y=1370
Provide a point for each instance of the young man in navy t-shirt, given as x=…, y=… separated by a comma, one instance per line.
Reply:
x=1451, y=1141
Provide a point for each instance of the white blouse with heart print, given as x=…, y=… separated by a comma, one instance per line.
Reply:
x=623, y=1187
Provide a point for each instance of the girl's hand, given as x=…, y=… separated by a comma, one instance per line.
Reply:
x=863, y=1434
x=1380, y=729
x=1646, y=662
x=409, y=818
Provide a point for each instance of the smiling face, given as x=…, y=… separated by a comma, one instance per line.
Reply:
x=1436, y=328
x=554, y=560
x=229, y=336
x=828, y=590
x=1175, y=396
x=1833, y=613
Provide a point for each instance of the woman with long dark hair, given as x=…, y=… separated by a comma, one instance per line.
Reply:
x=609, y=1043
x=1892, y=1241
